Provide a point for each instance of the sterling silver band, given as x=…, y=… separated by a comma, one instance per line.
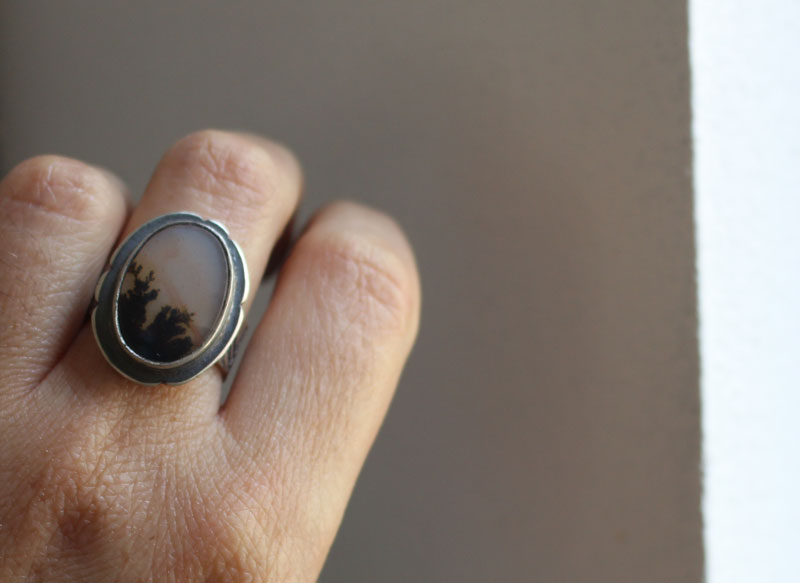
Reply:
x=170, y=304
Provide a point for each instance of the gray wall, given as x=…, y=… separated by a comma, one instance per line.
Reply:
x=538, y=152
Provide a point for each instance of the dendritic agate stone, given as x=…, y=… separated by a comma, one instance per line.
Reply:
x=173, y=293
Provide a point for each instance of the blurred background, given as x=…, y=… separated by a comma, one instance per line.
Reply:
x=539, y=155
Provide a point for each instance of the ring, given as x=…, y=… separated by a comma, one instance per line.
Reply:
x=170, y=304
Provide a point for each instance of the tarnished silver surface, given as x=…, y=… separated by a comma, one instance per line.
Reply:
x=174, y=367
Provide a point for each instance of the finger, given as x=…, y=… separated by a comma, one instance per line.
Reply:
x=251, y=186
x=321, y=368
x=58, y=221
x=248, y=183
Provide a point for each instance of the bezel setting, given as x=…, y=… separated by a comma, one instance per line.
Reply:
x=105, y=321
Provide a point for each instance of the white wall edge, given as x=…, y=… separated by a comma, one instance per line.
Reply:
x=746, y=104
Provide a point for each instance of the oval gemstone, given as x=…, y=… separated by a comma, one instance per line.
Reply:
x=173, y=293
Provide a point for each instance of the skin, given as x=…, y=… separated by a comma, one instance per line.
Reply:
x=104, y=480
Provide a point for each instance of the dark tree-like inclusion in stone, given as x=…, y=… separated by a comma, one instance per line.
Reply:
x=173, y=293
x=164, y=339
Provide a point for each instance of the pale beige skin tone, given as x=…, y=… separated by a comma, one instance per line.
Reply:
x=104, y=480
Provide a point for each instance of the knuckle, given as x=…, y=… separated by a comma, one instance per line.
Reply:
x=239, y=523
x=227, y=165
x=56, y=187
x=249, y=533
x=76, y=502
x=240, y=546
x=369, y=282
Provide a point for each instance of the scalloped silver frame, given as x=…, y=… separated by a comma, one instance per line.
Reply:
x=104, y=315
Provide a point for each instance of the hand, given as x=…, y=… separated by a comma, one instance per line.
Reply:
x=102, y=479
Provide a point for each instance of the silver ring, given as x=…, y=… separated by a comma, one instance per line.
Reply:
x=170, y=304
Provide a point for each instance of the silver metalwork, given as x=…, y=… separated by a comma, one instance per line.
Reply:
x=218, y=348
